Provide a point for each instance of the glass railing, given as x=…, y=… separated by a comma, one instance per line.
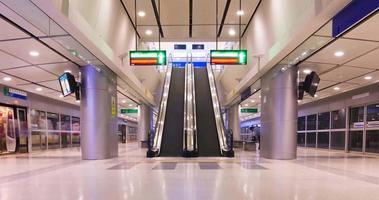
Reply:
x=155, y=137
x=225, y=136
x=190, y=130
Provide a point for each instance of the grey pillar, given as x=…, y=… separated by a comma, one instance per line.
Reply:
x=144, y=123
x=279, y=113
x=98, y=110
x=234, y=122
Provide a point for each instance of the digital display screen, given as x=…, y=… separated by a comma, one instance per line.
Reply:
x=67, y=83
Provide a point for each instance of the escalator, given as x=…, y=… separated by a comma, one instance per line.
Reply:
x=167, y=140
x=211, y=134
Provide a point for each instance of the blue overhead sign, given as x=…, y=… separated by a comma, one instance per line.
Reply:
x=11, y=92
x=352, y=14
x=180, y=46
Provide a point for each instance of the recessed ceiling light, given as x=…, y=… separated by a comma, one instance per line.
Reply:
x=39, y=89
x=141, y=13
x=336, y=88
x=240, y=12
x=7, y=78
x=61, y=96
x=34, y=53
x=67, y=71
x=149, y=32
x=307, y=71
x=246, y=105
x=130, y=105
x=252, y=101
x=232, y=32
x=339, y=53
x=77, y=101
x=123, y=101
x=368, y=77
x=316, y=95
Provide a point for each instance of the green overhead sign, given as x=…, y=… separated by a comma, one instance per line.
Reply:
x=148, y=57
x=228, y=57
x=249, y=110
x=128, y=110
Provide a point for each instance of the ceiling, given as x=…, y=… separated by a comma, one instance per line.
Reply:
x=357, y=67
x=36, y=74
x=175, y=15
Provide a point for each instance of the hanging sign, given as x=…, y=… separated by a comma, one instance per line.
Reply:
x=147, y=57
x=128, y=110
x=11, y=92
x=228, y=57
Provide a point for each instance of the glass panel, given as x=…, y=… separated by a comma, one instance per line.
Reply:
x=54, y=140
x=311, y=122
x=301, y=139
x=356, y=117
x=323, y=121
x=338, y=119
x=323, y=140
x=66, y=139
x=38, y=119
x=337, y=140
x=75, y=124
x=52, y=121
x=38, y=140
x=311, y=139
x=76, y=139
x=22, y=130
x=355, y=140
x=373, y=115
x=372, y=141
x=301, y=123
x=65, y=122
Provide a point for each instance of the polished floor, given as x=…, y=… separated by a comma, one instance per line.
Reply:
x=61, y=174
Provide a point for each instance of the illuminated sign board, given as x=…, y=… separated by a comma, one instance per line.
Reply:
x=228, y=57
x=128, y=110
x=147, y=57
x=67, y=83
x=11, y=92
x=249, y=110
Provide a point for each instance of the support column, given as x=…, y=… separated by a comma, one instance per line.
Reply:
x=98, y=111
x=234, y=124
x=144, y=124
x=279, y=113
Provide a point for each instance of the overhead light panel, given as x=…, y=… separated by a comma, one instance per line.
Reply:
x=148, y=32
x=336, y=88
x=34, y=53
x=123, y=101
x=232, y=32
x=67, y=71
x=39, y=89
x=61, y=96
x=339, y=53
x=7, y=78
x=141, y=13
x=307, y=71
x=368, y=77
x=240, y=12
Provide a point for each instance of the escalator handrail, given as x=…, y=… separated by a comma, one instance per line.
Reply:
x=157, y=140
x=224, y=147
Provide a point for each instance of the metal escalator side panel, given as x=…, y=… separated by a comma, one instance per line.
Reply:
x=154, y=150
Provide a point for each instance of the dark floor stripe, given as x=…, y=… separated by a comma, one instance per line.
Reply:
x=166, y=166
x=209, y=165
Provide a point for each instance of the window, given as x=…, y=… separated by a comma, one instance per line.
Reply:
x=323, y=140
x=301, y=139
x=372, y=141
x=356, y=117
x=38, y=119
x=356, y=140
x=301, y=123
x=373, y=115
x=311, y=122
x=311, y=139
x=323, y=121
x=337, y=140
x=338, y=119
x=65, y=122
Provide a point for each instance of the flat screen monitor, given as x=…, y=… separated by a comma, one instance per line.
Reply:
x=67, y=83
x=311, y=83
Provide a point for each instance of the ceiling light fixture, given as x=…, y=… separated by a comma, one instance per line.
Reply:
x=130, y=105
x=67, y=71
x=253, y=101
x=34, y=53
x=240, y=12
x=336, y=88
x=77, y=101
x=141, y=13
x=368, y=77
x=61, y=96
x=149, y=32
x=7, y=78
x=339, y=53
x=39, y=89
x=123, y=101
x=246, y=105
x=232, y=32
x=307, y=71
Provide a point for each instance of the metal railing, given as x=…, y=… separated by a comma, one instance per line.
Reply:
x=225, y=136
x=190, y=128
x=155, y=137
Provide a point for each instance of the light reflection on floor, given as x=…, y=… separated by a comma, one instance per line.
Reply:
x=61, y=174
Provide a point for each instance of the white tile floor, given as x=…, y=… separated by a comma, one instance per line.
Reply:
x=61, y=174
